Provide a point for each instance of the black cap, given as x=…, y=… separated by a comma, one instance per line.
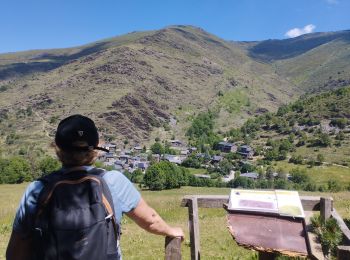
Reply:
x=77, y=132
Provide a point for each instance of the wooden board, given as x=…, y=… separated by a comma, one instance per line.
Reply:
x=280, y=234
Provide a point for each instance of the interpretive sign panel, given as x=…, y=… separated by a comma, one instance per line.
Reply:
x=268, y=221
x=279, y=202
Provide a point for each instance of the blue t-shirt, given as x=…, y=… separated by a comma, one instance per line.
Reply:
x=125, y=198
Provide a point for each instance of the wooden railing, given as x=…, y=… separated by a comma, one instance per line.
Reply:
x=193, y=202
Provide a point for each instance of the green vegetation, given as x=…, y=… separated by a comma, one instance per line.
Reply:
x=216, y=242
x=328, y=233
x=201, y=132
x=19, y=169
x=234, y=100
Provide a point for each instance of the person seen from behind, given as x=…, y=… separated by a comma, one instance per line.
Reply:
x=75, y=213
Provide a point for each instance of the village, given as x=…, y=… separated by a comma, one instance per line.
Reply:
x=138, y=157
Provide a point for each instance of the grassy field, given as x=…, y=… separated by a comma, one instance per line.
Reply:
x=216, y=242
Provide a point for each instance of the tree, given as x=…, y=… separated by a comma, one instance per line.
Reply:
x=192, y=161
x=15, y=170
x=154, y=178
x=225, y=167
x=247, y=167
x=242, y=182
x=157, y=148
x=269, y=173
x=299, y=176
x=48, y=165
x=137, y=176
x=165, y=175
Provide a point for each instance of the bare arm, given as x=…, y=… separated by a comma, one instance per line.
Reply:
x=18, y=248
x=148, y=219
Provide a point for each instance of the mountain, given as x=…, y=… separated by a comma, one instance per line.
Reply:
x=312, y=62
x=150, y=84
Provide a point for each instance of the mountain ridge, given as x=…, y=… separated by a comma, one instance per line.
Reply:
x=132, y=85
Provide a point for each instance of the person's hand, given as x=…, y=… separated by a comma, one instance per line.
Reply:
x=177, y=232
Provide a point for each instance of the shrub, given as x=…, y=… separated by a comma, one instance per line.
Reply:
x=157, y=148
x=155, y=178
x=15, y=170
x=165, y=175
x=299, y=176
x=136, y=176
x=48, y=165
x=328, y=233
x=334, y=186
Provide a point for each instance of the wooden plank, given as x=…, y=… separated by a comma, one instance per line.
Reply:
x=343, y=227
x=326, y=208
x=343, y=253
x=194, y=228
x=310, y=203
x=206, y=201
x=172, y=248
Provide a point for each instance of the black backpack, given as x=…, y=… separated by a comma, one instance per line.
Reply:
x=75, y=218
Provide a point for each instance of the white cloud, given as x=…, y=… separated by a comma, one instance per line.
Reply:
x=295, y=32
x=332, y=2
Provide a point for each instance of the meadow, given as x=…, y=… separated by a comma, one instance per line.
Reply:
x=215, y=240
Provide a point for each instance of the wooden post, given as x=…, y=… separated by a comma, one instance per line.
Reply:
x=325, y=208
x=172, y=248
x=343, y=253
x=194, y=228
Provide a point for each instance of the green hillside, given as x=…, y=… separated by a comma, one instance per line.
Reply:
x=311, y=131
x=135, y=85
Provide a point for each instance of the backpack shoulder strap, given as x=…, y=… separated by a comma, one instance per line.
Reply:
x=98, y=172
x=49, y=182
x=107, y=199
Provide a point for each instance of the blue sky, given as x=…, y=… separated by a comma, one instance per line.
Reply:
x=42, y=24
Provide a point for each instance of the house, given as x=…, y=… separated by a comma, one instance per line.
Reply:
x=137, y=149
x=193, y=149
x=118, y=167
x=227, y=147
x=107, y=163
x=110, y=147
x=173, y=158
x=175, y=143
x=184, y=152
x=217, y=159
x=127, y=152
x=109, y=157
x=124, y=157
x=246, y=151
x=142, y=166
x=250, y=175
